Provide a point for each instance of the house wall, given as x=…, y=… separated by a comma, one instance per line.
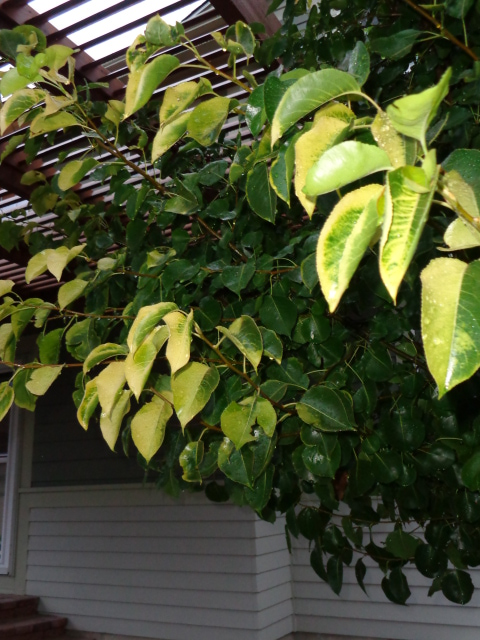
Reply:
x=131, y=561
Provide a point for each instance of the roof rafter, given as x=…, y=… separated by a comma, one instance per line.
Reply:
x=248, y=11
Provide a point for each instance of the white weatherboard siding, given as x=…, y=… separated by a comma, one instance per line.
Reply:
x=318, y=609
x=130, y=561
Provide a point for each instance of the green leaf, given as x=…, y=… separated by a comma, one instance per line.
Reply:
x=325, y=133
x=23, y=314
x=360, y=572
x=110, y=384
x=457, y=586
x=36, y=266
x=57, y=259
x=281, y=171
x=259, y=496
x=17, y=104
x=344, y=163
x=12, y=144
x=42, y=379
x=71, y=291
x=279, y=314
x=411, y=115
x=458, y=8
x=406, y=212
x=451, y=320
x=7, y=342
x=160, y=33
x=110, y=424
x=359, y=63
x=148, y=426
x=12, y=81
x=237, y=421
x=401, y=544
x=471, y=472
x=143, y=81
x=324, y=408
x=309, y=93
x=49, y=346
x=260, y=194
x=272, y=345
x=430, y=561
x=237, y=278
x=335, y=574
x=6, y=286
x=236, y=465
x=192, y=387
x=190, y=459
x=246, y=336
x=395, y=586
x=176, y=100
x=168, y=135
x=178, y=346
x=244, y=36
x=138, y=364
x=207, y=119
x=396, y=45
x=145, y=321
x=6, y=398
x=23, y=398
x=323, y=459
x=73, y=172
x=88, y=404
x=344, y=239
x=255, y=114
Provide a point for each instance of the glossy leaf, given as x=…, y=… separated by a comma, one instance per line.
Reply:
x=169, y=134
x=395, y=586
x=309, y=93
x=460, y=235
x=344, y=163
x=237, y=421
x=237, y=278
x=255, y=114
x=323, y=408
x=103, y=352
x=411, y=115
x=279, y=314
x=325, y=133
x=272, y=345
x=406, y=212
x=176, y=99
x=88, y=404
x=178, y=346
x=190, y=459
x=401, y=544
x=6, y=398
x=71, y=291
x=143, y=81
x=145, y=321
x=138, y=364
x=207, y=119
x=281, y=171
x=323, y=458
x=17, y=104
x=457, y=586
x=451, y=320
x=110, y=424
x=359, y=63
x=75, y=171
x=148, y=426
x=344, y=239
x=260, y=194
x=246, y=336
x=110, y=384
x=236, y=465
x=388, y=139
x=192, y=387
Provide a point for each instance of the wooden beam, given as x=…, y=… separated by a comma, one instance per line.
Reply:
x=248, y=11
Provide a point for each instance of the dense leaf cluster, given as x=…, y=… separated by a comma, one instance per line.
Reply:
x=190, y=295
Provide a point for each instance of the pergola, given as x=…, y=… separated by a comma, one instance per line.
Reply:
x=100, y=30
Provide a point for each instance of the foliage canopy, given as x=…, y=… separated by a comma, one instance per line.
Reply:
x=251, y=312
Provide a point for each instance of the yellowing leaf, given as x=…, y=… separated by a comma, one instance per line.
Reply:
x=192, y=387
x=246, y=336
x=45, y=123
x=138, y=364
x=36, y=266
x=325, y=133
x=110, y=383
x=389, y=140
x=344, y=239
x=178, y=347
x=110, y=425
x=451, y=320
x=168, y=135
x=103, y=352
x=6, y=286
x=143, y=81
x=17, y=104
x=237, y=421
x=70, y=291
x=406, y=212
x=74, y=171
x=460, y=235
x=42, y=379
x=145, y=321
x=207, y=119
x=176, y=99
x=6, y=398
x=88, y=404
x=148, y=426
